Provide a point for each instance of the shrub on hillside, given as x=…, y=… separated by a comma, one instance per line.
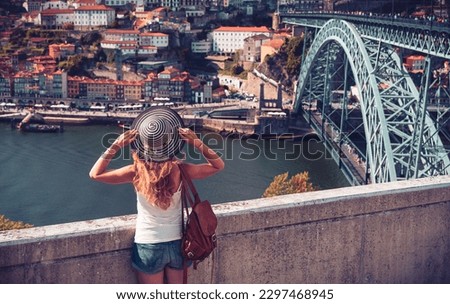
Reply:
x=281, y=184
x=7, y=224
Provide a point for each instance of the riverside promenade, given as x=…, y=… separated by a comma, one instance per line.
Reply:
x=6, y=113
x=191, y=115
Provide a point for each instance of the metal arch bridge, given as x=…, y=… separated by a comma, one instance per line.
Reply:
x=402, y=141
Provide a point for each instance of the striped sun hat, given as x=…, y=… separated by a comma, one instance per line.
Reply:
x=158, y=138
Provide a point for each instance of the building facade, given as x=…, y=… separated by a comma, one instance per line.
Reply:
x=303, y=5
x=271, y=47
x=159, y=40
x=124, y=2
x=415, y=63
x=33, y=5
x=228, y=39
x=172, y=84
x=55, y=4
x=61, y=51
x=89, y=17
x=56, y=18
x=252, y=47
x=201, y=47
x=134, y=43
x=6, y=85
x=121, y=35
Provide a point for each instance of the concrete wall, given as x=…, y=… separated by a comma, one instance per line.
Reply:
x=251, y=85
x=218, y=125
x=390, y=233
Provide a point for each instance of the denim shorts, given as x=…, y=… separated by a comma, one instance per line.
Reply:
x=153, y=258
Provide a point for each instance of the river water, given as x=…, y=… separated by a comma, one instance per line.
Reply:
x=44, y=177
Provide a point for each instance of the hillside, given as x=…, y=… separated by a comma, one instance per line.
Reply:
x=284, y=66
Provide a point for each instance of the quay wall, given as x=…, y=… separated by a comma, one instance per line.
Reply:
x=218, y=125
x=382, y=233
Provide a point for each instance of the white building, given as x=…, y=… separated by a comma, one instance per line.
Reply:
x=121, y=35
x=124, y=2
x=142, y=51
x=55, y=4
x=79, y=3
x=94, y=17
x=113, y=38
x=32, y=5
x=228, y=39
x=56, y=18
x=194, y=12
x=130, y=48
x=115, y=44
x=230, y=81
x=172, y=4
x=160, y=40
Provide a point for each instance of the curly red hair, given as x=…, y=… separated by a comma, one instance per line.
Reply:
x=153, y=180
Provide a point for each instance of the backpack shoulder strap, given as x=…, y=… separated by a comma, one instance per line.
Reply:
x=188, y=185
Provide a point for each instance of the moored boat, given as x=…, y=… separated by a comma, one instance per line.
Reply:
x=26, y=125
x=41, y=128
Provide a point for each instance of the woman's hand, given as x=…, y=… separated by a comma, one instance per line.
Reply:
x=125, y=139
x=122, y=175
x=189, y=136
x=215, y=163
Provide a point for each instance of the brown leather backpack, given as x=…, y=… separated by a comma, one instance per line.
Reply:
x=199, y=230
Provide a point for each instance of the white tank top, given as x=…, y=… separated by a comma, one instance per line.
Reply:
x=156, y=225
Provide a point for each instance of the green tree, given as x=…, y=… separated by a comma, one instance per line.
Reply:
x=282, y=185
x=17, y=37
x=7, y=224
x=76, y=65
x=237, y=69
x=293, y=48
x=90, y=38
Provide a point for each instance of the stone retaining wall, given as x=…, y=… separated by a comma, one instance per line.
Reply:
x=389, y=233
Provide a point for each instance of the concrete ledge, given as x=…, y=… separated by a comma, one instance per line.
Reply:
x=387, y=233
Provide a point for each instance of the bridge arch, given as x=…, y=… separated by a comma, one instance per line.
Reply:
x=401, y=139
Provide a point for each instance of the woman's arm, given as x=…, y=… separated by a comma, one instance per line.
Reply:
x=117, y=176
x=215, y=163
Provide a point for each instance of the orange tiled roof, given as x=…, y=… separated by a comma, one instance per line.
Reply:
x=143, y=15
x=94, y=8
x=38, y=39
x=415, y=57
x=86, y=1
x=242, y=29
x=169, y=70
x=139, y=23
x=115, y=31
x=50, y=12
x=158, y=9
x=154, y=34
x=62, y=45
x=275, y=43
x=282, y=35
x=126, y=47
x=119, y=41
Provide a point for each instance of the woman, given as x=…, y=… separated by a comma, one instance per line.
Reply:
x=157, y=249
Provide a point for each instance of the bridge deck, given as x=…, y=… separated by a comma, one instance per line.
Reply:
x=354, y=169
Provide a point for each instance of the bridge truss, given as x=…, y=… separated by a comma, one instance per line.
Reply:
x=402, y=141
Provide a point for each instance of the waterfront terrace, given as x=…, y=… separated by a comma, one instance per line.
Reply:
x=381, y=233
